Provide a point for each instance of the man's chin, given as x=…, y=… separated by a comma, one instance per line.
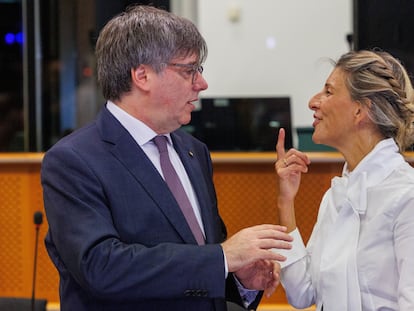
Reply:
x=186, y=121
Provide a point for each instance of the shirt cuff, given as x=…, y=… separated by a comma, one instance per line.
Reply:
x=226, y=267
x=248, y=296
x=297, y=252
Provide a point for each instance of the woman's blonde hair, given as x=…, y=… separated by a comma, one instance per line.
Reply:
x=379, y=80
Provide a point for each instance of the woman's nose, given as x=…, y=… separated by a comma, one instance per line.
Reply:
x=314, y=102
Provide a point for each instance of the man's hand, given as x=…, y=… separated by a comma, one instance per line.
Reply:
x=253, y=244
x=261, y=275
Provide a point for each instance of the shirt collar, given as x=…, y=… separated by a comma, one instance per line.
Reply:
x=141, y=133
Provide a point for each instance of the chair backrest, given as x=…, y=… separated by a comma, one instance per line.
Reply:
x=21, y=304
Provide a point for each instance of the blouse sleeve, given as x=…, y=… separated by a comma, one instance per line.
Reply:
x=295, y=277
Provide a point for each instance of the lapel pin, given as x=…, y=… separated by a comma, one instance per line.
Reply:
x=191, y=153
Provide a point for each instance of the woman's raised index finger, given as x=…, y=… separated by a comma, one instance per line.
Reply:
x=280, y=145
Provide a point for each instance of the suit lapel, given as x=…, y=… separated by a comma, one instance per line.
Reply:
x=126, y=150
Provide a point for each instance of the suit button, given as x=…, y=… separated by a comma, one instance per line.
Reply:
x=188, y=293
x=201, y=293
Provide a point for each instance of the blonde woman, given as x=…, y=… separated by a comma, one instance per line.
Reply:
x=360, y=255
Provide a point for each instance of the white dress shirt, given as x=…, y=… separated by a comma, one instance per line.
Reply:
x=360, y=256
x=143, y=136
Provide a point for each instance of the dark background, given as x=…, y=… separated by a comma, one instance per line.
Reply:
x=388, y=25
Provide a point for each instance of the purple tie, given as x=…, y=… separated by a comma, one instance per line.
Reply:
x=177, y=188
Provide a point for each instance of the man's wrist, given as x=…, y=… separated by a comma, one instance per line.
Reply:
x=248, y=296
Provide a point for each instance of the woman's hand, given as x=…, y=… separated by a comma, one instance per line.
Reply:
x=289, y=167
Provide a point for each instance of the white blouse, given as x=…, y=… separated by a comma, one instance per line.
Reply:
x=360, y=255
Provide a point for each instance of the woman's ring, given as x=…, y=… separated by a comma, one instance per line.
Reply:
x=285, y=162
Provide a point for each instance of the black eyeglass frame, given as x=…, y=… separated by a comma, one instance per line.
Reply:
x=193, y=69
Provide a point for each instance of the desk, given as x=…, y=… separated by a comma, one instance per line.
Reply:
x=246, y=189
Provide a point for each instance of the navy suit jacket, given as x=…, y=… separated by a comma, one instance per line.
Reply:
x=116, y=234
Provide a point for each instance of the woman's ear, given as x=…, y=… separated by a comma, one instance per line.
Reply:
x=361, y=111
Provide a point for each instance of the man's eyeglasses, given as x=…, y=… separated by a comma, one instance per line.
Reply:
x=191, y=69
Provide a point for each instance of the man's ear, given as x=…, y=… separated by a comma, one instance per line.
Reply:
x=140, y=77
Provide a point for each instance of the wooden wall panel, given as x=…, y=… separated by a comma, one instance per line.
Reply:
x=11, y=235
x=247, y=196
x=246, y=187
x=20, y=198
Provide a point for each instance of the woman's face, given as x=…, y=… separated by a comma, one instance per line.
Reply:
x=334, y=112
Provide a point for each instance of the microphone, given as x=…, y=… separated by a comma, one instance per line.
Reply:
x=38, y=220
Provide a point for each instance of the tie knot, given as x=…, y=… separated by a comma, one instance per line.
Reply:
x=161, y=143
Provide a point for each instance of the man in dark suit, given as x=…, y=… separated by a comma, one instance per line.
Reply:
x=117, y=234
